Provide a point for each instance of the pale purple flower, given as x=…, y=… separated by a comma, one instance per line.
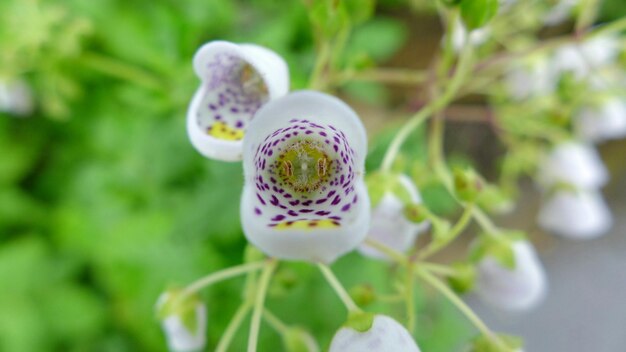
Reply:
x=385, y=335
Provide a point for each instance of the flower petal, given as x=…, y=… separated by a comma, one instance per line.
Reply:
x=385, y=335
x=598, y=124
x=179, y=337
x=236, y=81
x=304, y=196
x=518, y=289
x=576, y=215
x=16, y=98
x=577, y=164
x=390, y=226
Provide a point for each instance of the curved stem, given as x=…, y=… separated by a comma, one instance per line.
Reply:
x=485, y=222
x=219, y=276
x=120, y=69
x=338, y=288
x=436, y=268
x=276, y=323
x=461, y=224
x=323, y=57
x=409, y=300
x=233, y=327
x=464, y=308
x=255, y=324
x=388, y=251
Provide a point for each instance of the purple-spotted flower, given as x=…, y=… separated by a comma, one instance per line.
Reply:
x=304, y=197
x=575, y=214
x=603, y=122
x=575, y=164
x=389, y=224
x=15, y=98
x=514, y=289
x=184, y=323
x=236, y=80
x=384, y=335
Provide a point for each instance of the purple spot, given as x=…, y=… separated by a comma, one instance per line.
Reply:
x=257, y=211
x=294, y=202
x=292, y=213
x=239, y=124
x=345, y=207
x=306, y=203
x=320, y=201
x=261, y=199
x=336, y=200
x=306, y=211
x=274, y=200
x=322, y=212
x=278, y=217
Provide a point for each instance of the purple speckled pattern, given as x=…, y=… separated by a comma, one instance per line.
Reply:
x=234, y=91
x=332, y=200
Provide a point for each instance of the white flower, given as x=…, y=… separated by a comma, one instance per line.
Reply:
x=515, y=289
x=601, y=123
x=476, y=37
x=185, y=328
x=583, y=59
x=560, y=12
x=385, y=335
x=389, y=224
x=530, y=79
x=236, y=80
x=576, y=215
x=576, y=164
x=16, y=98
x=304, y=196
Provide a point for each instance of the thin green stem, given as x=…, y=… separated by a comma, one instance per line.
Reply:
x=338, y=288
x=388, y=251
x=321, y=63
x=255, y=324
x=275, y=323
x=461, y=306
x=485, y=222
x=233, y=327
x=609, y=28
x=458, y=228
x=587, y=14
x=121, y=70
x=409, y=299
x=436, y=268
x=219, y=276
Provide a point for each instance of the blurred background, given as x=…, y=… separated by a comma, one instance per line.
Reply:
x=104, y=203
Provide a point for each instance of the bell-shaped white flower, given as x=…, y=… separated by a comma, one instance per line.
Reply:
x=583, y=59
x=16, y=98
x=304, y=196
x=389, y=224
x=236, y=80
x=185, y=325
x=517, y=289
x=575, y=214
x=560, y=12
x=576, y=164
x=601, y=123
x=530, y=79
x=385, y=335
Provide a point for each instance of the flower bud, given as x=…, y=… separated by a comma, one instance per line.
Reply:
x=603, y=122
x=577, y=164
x=184, y=322
x=299, y=340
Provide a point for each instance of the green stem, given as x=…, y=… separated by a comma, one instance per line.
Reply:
x=485, y=222
x=323, y=57
x=588, y=12
x=219, y=276
x=436, y=268
x=276, y=323
x=255, y=324
x=383, y=75
x=461, y=306
x=388, y=251
x=433, y=107
x=338, y=288
x=233, y=327
x=458, y=228
x=121, y=70
x=409, y=299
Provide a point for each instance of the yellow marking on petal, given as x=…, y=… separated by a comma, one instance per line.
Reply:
x=221, y=130
x=307, y=224
x=304, y=165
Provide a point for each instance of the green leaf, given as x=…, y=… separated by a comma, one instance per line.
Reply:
x=477, y=13
x=359, y=10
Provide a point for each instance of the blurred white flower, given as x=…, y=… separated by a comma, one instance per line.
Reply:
x=575, y=214
x=389, y=224
x=304, y=196
x=560, y=12
x=236, y=80
x=576, y=164
x=184, y=328
x=585, y=58
x=601, y=123
x=16, y=98
x=517, y=289
x=476, y=37
x=385, y=335
x=530, y=79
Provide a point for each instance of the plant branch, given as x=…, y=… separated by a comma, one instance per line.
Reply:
x=255, y=324
x=338, y=288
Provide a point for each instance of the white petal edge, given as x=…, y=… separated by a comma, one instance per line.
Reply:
x=577, y=164
x=576, y=215
x=389, y=225
x=179, y=338
x=385, y=335
x=269, y=65
x=601, y=123
x=519, y=289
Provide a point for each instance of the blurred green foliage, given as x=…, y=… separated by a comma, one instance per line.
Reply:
x=104, y=203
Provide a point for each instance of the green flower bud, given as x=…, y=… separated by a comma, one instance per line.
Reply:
x=468, y=184
x=416, y=213
x=464, y=277
x=363, y=295
x=299, y=340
